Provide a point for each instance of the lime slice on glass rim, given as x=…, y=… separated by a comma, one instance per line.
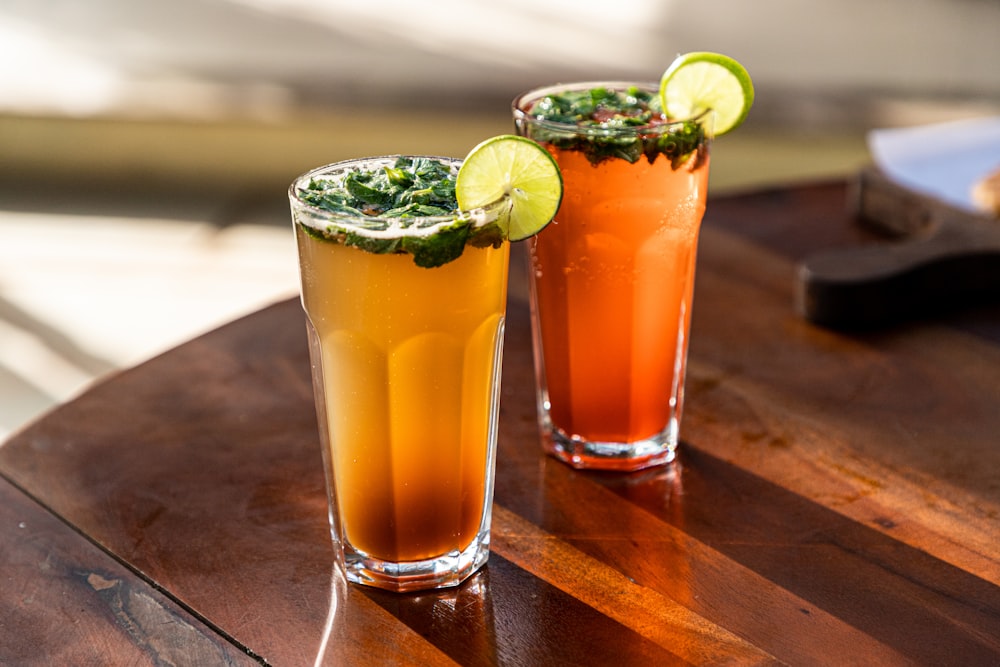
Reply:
x=518, y=167
x=699, y=81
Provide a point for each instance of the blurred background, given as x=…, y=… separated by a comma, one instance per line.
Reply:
x=145, y=147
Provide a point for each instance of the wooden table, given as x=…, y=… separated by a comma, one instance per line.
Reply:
x=836, y=500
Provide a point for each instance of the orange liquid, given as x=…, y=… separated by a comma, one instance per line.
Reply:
x=613, y=278
x=409, y=358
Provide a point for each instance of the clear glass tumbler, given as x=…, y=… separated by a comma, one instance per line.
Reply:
x=612, y=281
x=406, y=376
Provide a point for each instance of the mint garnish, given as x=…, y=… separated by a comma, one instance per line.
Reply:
x=599, y=114
x=387, y=192
x=402, y=194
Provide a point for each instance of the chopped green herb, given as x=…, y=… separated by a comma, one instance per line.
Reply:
x=607, y=123
x=387, y=192
x=400, y=195
x=439, y=248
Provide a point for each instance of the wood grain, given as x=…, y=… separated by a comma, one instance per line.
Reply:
x=834, y=502
x=65, y=602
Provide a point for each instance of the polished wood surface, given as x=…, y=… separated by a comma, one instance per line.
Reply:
x=63, y=601
x=836, y=500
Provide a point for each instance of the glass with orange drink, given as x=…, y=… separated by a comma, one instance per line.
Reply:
x=405, y=297
x=612, y=278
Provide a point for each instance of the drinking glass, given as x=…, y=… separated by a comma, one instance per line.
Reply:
x=406, y=377
x=612, y=280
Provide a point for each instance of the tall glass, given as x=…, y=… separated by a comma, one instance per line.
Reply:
x=612, y=280
x=406, y=376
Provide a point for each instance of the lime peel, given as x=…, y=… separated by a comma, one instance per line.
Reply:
x=516, y=167
x=700, y=81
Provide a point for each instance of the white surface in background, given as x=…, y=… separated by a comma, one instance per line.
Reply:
x=260, y=58
x=943, y=160
x=80, y=297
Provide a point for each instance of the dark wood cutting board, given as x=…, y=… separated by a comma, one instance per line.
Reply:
x=935, y=257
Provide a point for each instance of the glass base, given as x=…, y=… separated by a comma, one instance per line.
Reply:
x=658, y=449
x=449, y=569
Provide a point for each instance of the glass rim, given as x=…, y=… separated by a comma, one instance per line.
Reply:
x=521, y=115
x=416, y=225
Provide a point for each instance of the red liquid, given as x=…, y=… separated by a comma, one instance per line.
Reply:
x=614, y=279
